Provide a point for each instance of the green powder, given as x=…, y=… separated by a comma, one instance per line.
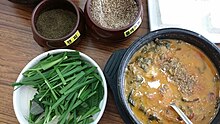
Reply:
x=56, y=23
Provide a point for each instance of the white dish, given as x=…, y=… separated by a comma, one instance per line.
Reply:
x=23, y=95
x=201, y=16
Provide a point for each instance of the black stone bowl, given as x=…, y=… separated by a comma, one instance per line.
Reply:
x=115, y=67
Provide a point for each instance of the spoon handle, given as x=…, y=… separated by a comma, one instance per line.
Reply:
x=180, y=112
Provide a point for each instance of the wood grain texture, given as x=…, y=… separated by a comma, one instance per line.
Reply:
x=17, y=48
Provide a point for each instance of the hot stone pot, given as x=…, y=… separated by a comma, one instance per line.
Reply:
x=115, y=67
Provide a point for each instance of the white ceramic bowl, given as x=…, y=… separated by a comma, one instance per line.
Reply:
x=23, y=95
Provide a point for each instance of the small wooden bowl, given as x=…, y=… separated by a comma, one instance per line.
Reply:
x=26, y=2
x=70, y=39
x=120, y=34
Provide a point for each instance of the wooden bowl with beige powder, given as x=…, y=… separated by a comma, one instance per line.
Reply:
x=113, y=20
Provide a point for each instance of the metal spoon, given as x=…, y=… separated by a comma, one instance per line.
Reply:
x=181, y=114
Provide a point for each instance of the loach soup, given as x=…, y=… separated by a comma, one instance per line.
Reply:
x=166, y=71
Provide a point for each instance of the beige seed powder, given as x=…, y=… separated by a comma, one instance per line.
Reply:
x=114, y=14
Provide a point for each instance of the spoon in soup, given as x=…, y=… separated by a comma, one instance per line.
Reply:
x=181, y=114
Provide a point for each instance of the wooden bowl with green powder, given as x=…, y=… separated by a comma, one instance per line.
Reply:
x=26, y=2
x=57, y=24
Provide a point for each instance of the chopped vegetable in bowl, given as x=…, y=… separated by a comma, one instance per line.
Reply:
x=69, y=89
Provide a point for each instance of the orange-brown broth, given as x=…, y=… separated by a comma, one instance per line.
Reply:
x=152, y=94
